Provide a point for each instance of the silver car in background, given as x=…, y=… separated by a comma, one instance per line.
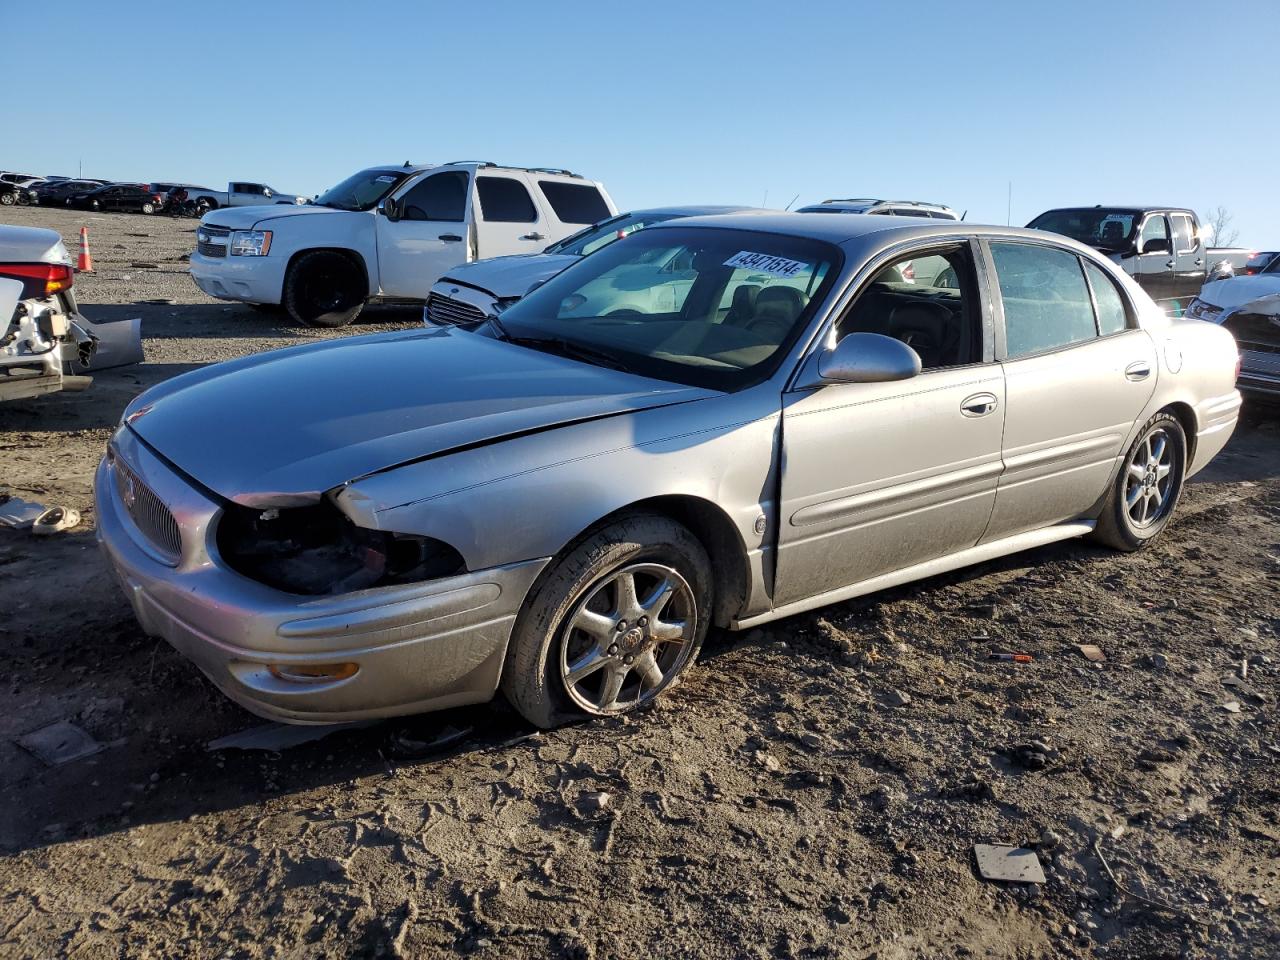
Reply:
x=559, y=501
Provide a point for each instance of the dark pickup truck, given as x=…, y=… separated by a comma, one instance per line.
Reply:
x=1160, y=247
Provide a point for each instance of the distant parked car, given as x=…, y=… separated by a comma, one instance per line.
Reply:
x=1259, y=262
x=11, y=177
x=885, y=208
x=10, y=194
x=1248, y=306
x=56, y=192
x=471, y=291
x=127, y=197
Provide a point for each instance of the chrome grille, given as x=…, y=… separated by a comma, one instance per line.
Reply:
x=446, y=310
x=205, y=237
x=149, y=514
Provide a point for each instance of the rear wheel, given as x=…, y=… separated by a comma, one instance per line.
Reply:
x=324, y=289
x=8, y=199
x=612, y=625
x=1146, y=491
x=204, y=205
x=148, y=208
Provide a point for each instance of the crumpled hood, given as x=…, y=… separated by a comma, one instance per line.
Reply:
x=510, y=276
x=281, y=428
x=1237, y=291
x=245, y=218
x=31, y=245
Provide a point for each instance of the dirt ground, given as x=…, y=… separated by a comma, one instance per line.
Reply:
x=813, y=790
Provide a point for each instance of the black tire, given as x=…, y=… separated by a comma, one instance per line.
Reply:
x=1127, y=527
x=95, y=205
x=645, y=547
x=324, y=289
x=204, y=205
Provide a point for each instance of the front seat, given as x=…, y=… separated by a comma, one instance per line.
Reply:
x=1113, y=233
x=743, y=306
x=927, y=328
x=777, y=309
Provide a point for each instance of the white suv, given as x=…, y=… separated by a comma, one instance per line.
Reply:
x=387, y=233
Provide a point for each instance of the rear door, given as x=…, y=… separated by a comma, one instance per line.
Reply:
x=246, y=194
x=1155, y=262
x=1078, y=373
x=430, y=236
x=880, y=476
x=1188, y=261
x=507, y=218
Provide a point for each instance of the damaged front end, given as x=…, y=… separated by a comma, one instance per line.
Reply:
x=1256, y=327
x=315, y=550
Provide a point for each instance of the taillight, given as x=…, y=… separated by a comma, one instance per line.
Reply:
x=39, y=279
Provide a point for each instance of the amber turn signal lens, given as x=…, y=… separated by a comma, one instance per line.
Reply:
x=312, y=672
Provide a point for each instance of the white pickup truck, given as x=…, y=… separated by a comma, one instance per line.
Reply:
x=387, y=233
x=239, y=194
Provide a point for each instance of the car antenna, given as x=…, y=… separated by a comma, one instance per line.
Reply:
x=793, y=200
x=963, y=215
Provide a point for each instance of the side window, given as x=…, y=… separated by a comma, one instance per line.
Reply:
x=574, y=202
x=1112, y=316
x=441, y=196
x=929, y=301
x=1046, y=300
x=505, y=200
x=1154, y=229
x=909, y=212
x=1184, y=233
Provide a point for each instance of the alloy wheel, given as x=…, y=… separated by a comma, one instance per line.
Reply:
x=1149, y=481
x=628, y=638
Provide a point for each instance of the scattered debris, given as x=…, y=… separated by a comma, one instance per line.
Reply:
x=1115, y=881
x=18, y=513
x=1231, y=706
x=1092, y=651
x=55, y=520
x=1005, y=862
x=59, y=743
x=896, y=698
x=144, y=265
x=1011, y=657
x=409, y=747
x=275, y=737
x=593, y=802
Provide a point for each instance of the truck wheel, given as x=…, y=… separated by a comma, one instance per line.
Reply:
x=324, y=289
x=8, y=199
x=611, y=625
x=204, y=205
x=148, y=208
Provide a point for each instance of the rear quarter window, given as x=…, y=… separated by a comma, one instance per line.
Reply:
x=575, y=202
x=504, y=200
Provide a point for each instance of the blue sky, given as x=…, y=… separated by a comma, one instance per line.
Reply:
x=667, y=102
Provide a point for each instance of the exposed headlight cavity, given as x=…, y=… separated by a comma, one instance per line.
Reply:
x=316, y=550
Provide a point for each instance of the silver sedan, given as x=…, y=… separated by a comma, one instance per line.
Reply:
x=721, y=420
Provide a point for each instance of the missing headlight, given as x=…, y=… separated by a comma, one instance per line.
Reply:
x=316, y=550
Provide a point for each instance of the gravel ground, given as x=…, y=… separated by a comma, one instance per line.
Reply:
x=813, y=790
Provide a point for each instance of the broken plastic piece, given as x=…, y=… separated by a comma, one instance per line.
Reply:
x=59, y=743
x=55, y=520
x=998, y=861
x=18, y=513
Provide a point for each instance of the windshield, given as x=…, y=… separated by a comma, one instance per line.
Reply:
x=602, y=234
x=1106, y=228
x=699, y=306
x=363, y=190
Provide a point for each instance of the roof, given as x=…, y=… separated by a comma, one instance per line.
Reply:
x=688, y=210
x=1127, y=207
x=844, y=229
x=858, y=205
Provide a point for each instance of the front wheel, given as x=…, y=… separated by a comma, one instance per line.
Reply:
x=148, y=208
x=1146, y=491
x=8, y=199
x=324, y=289
x=611, y=625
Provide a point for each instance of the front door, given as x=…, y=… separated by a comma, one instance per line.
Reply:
x=1188, y=261
x=1154, y=268
x=429, y=237
x=508, y=221
x=1078, y=373
x=879, y=476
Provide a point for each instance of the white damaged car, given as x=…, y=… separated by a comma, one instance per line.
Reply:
x=1249, y=307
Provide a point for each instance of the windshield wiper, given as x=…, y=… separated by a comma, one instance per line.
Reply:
x=567, y=348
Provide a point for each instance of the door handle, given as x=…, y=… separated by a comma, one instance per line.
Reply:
x=1199, y=261
x=1139, y=370
x=534, y=236
x=979, y=405
x=1169, y=263
x=451, y=237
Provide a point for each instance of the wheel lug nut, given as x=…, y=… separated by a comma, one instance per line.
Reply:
x=613, y=649
x=643, y=620
x=629, y=660
x=622, y=625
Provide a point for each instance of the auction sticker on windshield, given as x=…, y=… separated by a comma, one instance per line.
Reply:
x=766, y=263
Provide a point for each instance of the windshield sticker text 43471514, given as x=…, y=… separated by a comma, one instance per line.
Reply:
x=766, y=263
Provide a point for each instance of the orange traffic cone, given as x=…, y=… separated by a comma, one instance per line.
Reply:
x=84, y=263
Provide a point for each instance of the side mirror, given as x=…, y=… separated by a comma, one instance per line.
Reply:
x=390, y=208
x=1156, y=245
x=266, y=191
x=868, y=358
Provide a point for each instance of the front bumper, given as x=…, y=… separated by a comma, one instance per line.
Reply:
x=451, y=303
x=418, y=647
x=247, y=279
